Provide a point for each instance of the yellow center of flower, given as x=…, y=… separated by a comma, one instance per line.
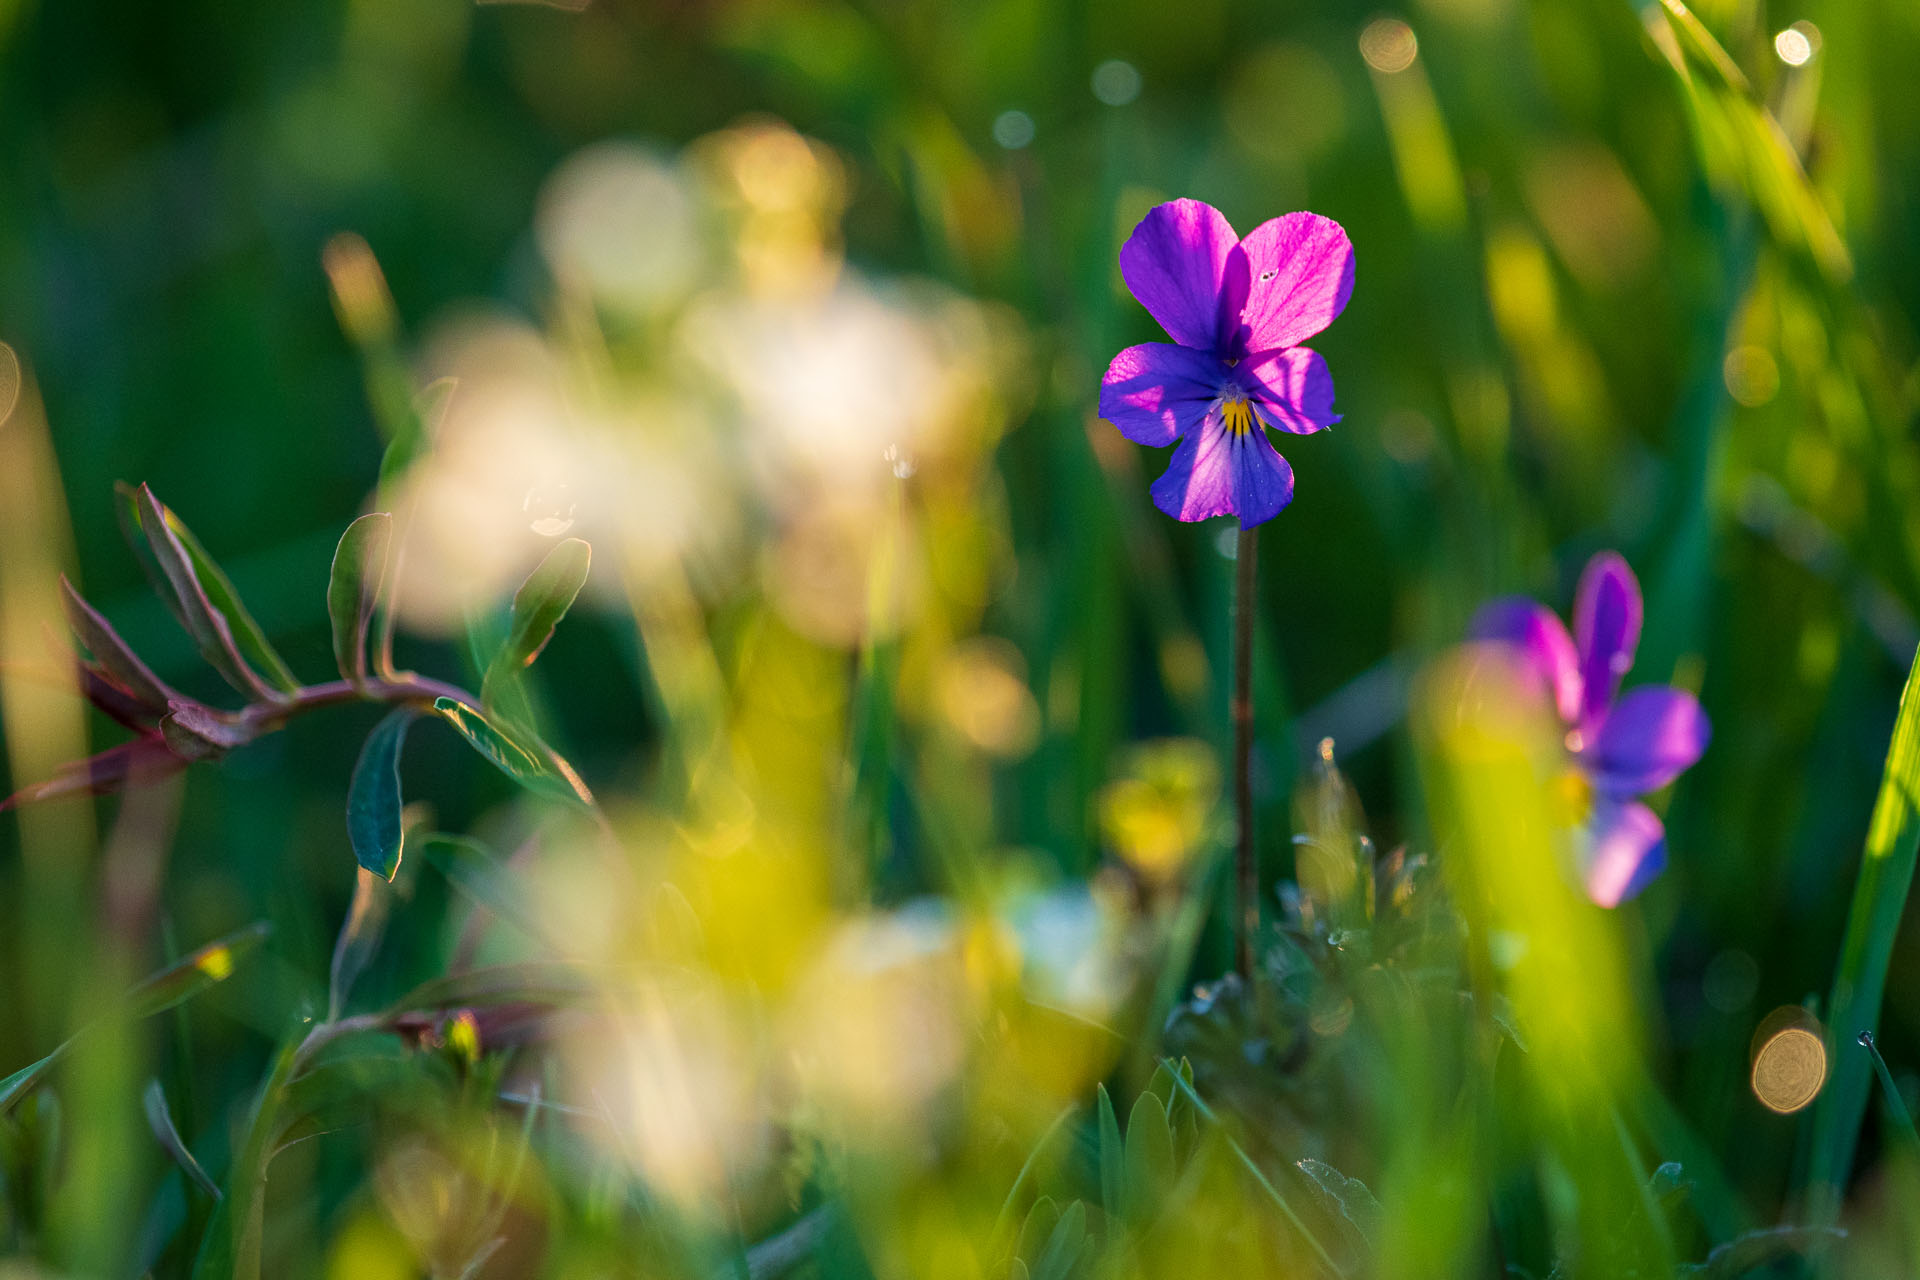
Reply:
x=1573, y=794
x=1236, y=413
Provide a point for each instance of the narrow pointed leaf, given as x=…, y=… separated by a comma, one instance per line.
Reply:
x=220, y=592
x=1112, y=1156
x=113, y=654
x=179, y=981
x=355, y=589
x=535, y=982
x=101, y=774
x=504, y=752
x=373, y=798
x=1880, y=895
x=1149, y=1163
x=539, y=605
x=359, y=937
x=27, y=1079
x=160, y=1120
x=475, y=871
x=195, y=609
x=1065, y=1246
x=415, y=436
x=195, y=972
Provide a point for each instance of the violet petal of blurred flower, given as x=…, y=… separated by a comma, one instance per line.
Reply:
x=1627, y=848
x=1649, y=738
x=1606, y=628
x=1623, y=746
x=1236, y=311
x=1543, y=644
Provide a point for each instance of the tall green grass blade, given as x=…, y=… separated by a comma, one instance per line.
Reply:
x=1853, y=1006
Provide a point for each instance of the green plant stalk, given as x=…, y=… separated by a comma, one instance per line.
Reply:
x=1240, y=711
x=1879, y=900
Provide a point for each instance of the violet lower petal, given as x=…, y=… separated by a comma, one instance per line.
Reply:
x=1652, y=736
x=1219, y=472
x=1292, y=388
x=1157, y=392
x=1176, y=263
x=1543, y=644
x=1262, y=480
x=1198, y=481
x=1606, y=629
x=1626, y=849
x=1300, y=275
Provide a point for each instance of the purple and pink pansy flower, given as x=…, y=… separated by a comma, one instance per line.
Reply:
x=1237, y=310
x=1620, y=746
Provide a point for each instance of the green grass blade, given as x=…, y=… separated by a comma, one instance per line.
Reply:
x=1879, y=900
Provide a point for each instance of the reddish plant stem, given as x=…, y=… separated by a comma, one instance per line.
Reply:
x=1240, y=709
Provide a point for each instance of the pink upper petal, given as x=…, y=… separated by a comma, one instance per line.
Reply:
x=1156, y=392
x=1626, y=849
x=1652, y=736
x=1215, y=472
x=1300, y=274
x=1292, y=388
x=1176, y=262
x=1606, y=628
x=1543, y=644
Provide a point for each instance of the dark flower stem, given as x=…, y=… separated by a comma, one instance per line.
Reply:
x=1246, y=871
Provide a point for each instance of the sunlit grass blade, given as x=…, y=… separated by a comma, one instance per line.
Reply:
x=1879, y=901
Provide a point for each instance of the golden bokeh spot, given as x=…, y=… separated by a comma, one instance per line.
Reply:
x=1789, y=1068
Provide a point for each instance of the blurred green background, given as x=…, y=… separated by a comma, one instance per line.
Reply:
x=1599, y=303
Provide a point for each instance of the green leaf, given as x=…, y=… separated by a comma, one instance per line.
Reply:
x=518, y=762
x=1755, y=1249
x=113, y=653
x=356, y=588
x=373, y=798
x=1037, y=1229
x=359, y=937
x=538, y=606
x=1879, y=901
x=179, y=981
x=160, y=1120
x=412, y=434
x=195, y=972
x=551, y=983
x=1149, y=1164
x=192, y=604
x=475, y=871
x=1112, y=1156
x=1065, y=1246
x=1350, y=1198
x=220, y=591
x=1259, y=1176
x=27, y=1079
